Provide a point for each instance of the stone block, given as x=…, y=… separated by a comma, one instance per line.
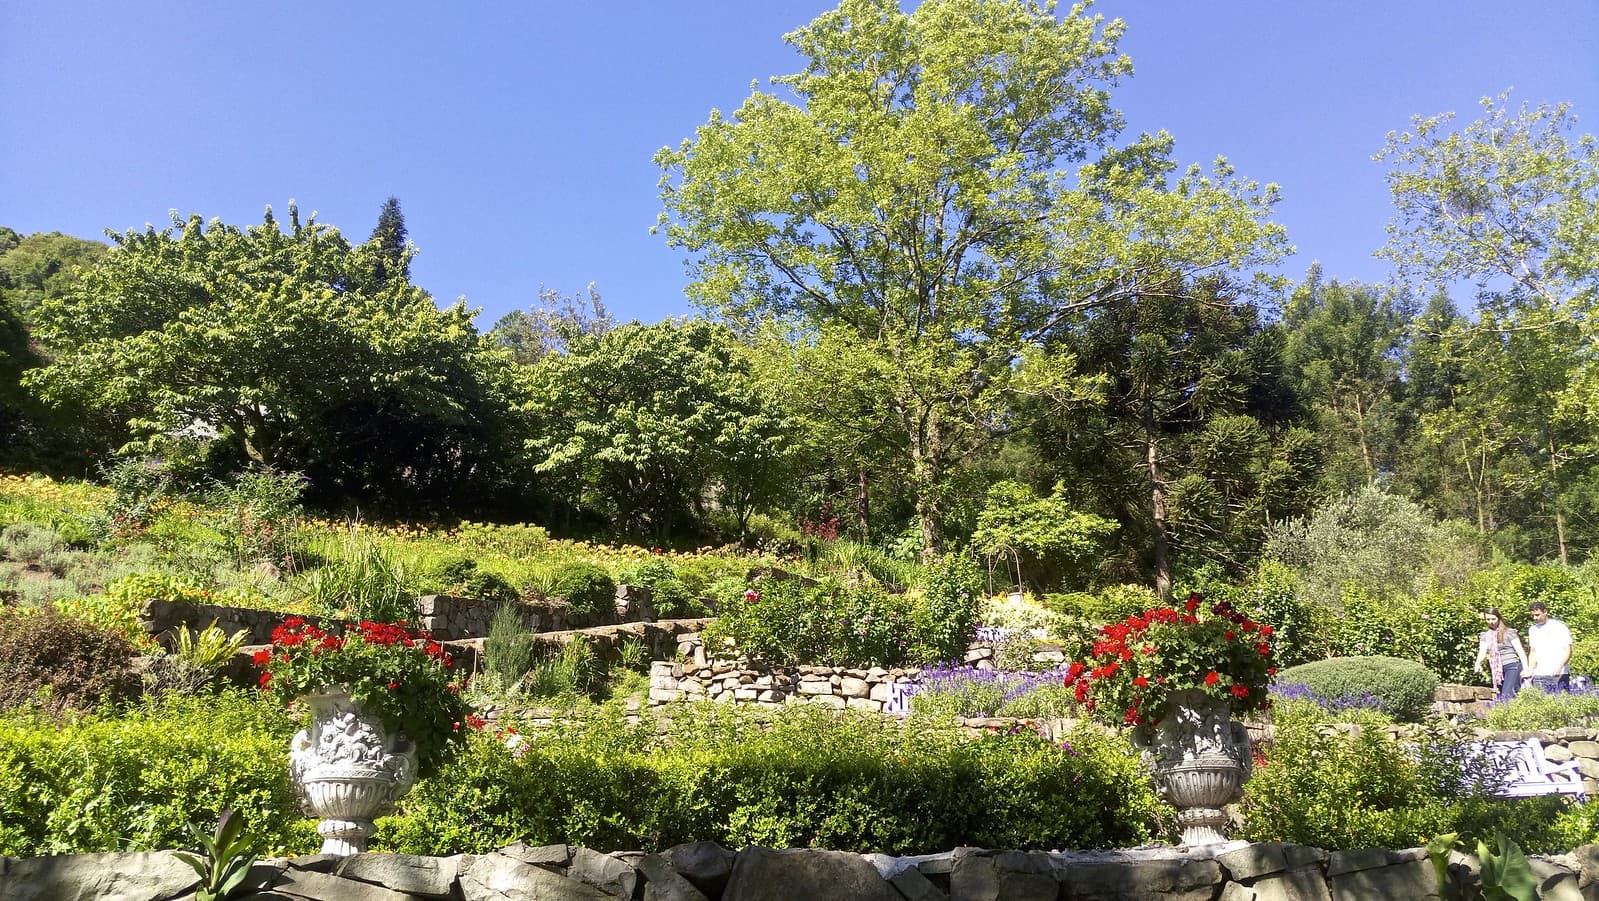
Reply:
x=498, y=877
x=1588, y=767
x=1557, y=753
x=1306, y=884
x=147, y=876
x=431, y=877
x=864, y=704
x=1176, y=878
x=913, y=886
x=664, y=695
x=833, y=701
x=662, y=883
x=1588, y=749
x=705, y=864
x=815, y=687
x=851, y=687
x=1234, y=891
x=539, y=855
x=1253, y=861
x=881, y=692
x=604, y=872
x=328, y=887
x=760, y=874
x=1413, y=879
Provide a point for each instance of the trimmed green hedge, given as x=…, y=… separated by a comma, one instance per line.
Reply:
x=136, y=781
x=1404, y=687
x=804, y=778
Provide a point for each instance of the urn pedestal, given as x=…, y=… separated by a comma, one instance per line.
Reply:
x=1200, y=759
x=348, y=769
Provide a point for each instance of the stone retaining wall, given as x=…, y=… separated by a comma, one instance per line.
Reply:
x=448, y=618
x=704, y=871
x=730, y=682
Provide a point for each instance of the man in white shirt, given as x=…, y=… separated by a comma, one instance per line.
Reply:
x=1548, y=650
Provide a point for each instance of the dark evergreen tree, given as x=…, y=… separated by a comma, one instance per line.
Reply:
x=393, y=258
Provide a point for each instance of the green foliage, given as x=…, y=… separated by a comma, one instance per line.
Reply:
x=1340, y=790
x=285, y=344
x=228, y=856
x=210, y=647
x=360, y=580
x=1404, y=687
x=507, y=649
x=671, y=596
x=137, y=484
x=1272, y=596
x=1534, y=709
x=785, y=621
x=1042, y=534
x=807, y=778
x=459, y=575
x=1378, y=541
x=1107, y=605
x=137, y=781
x=511, y=540
x=259, y=510
x=61, y=663
x=587, y=588
x=568, y=673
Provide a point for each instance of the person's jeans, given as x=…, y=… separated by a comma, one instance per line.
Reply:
x=1510, y=683
x=1553, y=684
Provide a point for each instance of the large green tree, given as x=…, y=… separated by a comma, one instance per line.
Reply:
x=912, y=190
x=1510, y=201
x=652, y=425
x=276, y=343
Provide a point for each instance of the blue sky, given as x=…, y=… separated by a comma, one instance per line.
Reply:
x=519, y=137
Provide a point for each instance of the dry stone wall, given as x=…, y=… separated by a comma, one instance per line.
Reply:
x=732, y=682
x=704, y=871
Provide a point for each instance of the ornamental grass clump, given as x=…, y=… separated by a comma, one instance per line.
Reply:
x=1138, y=664
x=405, y=678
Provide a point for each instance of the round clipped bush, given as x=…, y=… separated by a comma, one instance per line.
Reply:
x=1404, y=688
x=587, y=588
x=62, y=662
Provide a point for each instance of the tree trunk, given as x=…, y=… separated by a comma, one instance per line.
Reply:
x=1560, y=516
x=1157, y=495
x=863, y=504
x=1365, y=446
x=927, y=472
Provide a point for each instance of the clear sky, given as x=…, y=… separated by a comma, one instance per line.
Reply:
x=519, y=136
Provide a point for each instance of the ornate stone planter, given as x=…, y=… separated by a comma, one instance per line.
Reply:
x=1200, y=759
x=348, y=769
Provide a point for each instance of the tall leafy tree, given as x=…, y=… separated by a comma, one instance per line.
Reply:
x=648, y=425
x=910, y=191
x=1510, y=201
x=1343, y=347
x=274, y=342
x=550, y=324
x=1180, y=442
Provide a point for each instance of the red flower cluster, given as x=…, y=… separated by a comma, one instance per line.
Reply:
x=1135, y=665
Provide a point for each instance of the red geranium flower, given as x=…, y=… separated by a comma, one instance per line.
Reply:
x=1212, y=677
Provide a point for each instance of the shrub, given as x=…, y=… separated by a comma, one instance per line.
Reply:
x=137, y=486
x=1536, y=709
x=136, y=781
x=515, y=541
x=568, y=673
x=30, y=543
x=968, y=691
x=507, y=650
x=460, y=575
x=1404, y=687
x=585, y=587
x=805, y=778
x=668, y=592
x=1107, y=605
x=76, y=664
x=257, y=512
x=360, y=581
x=1340, y=790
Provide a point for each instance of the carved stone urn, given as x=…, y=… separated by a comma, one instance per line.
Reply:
x=348, y=769
x=1200, y=759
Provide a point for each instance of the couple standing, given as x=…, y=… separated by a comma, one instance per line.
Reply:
x=1546, y=664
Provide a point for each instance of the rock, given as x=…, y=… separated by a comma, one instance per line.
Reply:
x=911, y=884
x=1586, y=857
x=1588, y=767
x=662, y=883
x=1254, y=861
x=1557, y=753
x=1099, y=876
x=427, y=876
x=833, y=701
x=148, y=876
x=1305, y=884
x=328, y=887
x=604, y=872
x=1232, y=891
x=851, y=687
x=1589, y=749
x=540, y=855
x=497, y=877
x=816, y=687
x=705, y=864
x=1413, y=879
x=760, y=874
